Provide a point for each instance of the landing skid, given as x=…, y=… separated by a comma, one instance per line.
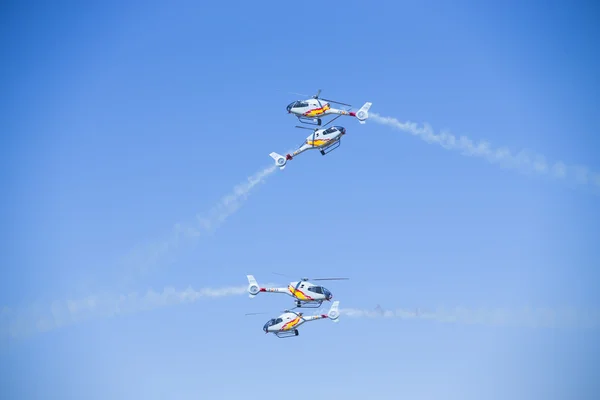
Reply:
x=287, y=334
x=310, y=121
x=330, y=148
x=308, y=305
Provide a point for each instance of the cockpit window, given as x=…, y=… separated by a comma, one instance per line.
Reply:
x=330, y=130
x=273, y=321
x=296, y=104
x=316, y=289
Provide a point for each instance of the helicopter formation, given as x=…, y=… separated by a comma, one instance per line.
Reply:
x=306, y=295
x=326, y=139
x=310, y=111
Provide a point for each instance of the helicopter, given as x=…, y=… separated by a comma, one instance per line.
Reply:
x=326, y=140
x=311, y=110
x=305, y=293
x=286, y=325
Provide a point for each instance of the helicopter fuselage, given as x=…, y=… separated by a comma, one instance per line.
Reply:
x=313, y=109
x=286, y=325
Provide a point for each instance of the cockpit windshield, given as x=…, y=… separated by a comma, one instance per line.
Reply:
x=271, y=322
x=268, y=324
x=297, y=104
x=331, y=130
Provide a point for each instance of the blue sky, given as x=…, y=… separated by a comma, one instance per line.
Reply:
x=120, y=121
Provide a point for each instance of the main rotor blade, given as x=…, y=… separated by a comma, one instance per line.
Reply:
x=300, y=94
x=310, y=129
x=255, y=313
x=331, y=121
x=330, y=279
x=336, y=102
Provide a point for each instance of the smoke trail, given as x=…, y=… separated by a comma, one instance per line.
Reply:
x=18, y=323
x=232, y=202
x=527, y=317
x=523, y=162
x=149, y=256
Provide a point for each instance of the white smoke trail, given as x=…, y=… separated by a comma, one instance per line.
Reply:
x=527, y=317
x=232, y=202
x=523, y=162
x=146, y=257
x=18, y=323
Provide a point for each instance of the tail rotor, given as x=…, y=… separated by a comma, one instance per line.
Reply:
x=280, y=161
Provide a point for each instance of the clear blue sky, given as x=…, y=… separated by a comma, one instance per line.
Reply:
x=119, y=121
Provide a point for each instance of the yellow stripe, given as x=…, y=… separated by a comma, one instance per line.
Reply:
x=317, y=111
x=291, y=324
x=318, y=142
x=297, y=293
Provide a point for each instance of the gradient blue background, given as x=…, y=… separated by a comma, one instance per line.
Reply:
x=120, y=120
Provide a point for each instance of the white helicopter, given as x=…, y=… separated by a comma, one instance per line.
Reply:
x=304, y=293
x=286, y=325
x=326, y=140
x=313, y=109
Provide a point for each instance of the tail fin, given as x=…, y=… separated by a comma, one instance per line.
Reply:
x=253, y=288
x=334, y=312
x=363, y=113
x=280, y=160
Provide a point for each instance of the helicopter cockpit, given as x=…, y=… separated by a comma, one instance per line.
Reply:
x=271, y=322
x=321, y=290
x=296, y=104
x=334, y=129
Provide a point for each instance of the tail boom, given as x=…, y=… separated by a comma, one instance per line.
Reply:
x=333, y=313
x=254, y=288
